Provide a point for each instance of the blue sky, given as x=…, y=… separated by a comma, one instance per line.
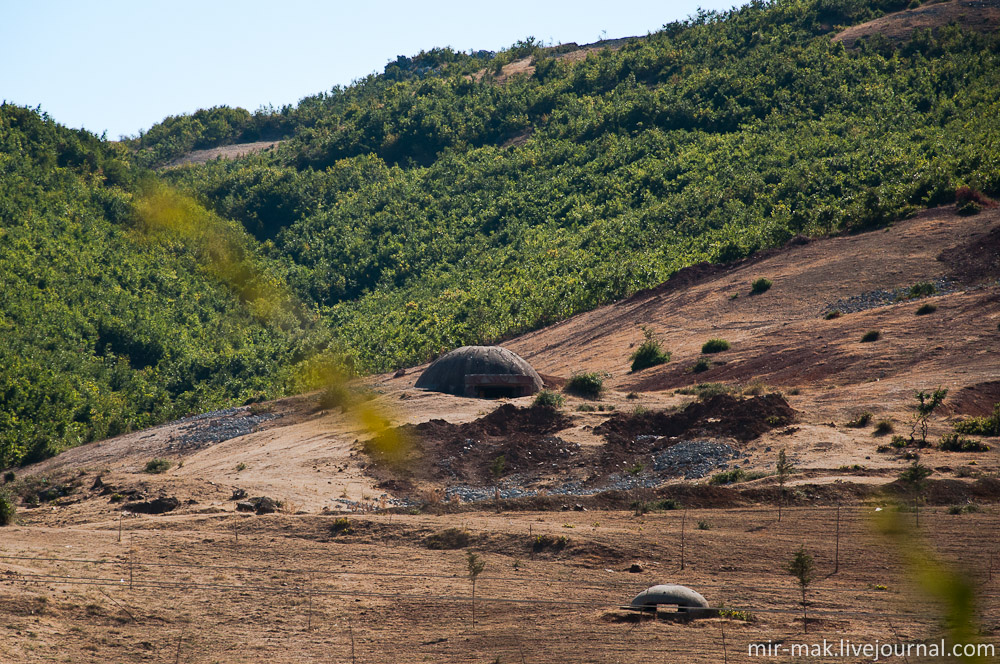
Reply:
x=121, y=66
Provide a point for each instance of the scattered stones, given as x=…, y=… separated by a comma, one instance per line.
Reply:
x=217, y=426
x=694, y=458
x=883, y=298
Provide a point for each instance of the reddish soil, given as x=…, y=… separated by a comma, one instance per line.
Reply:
x=223, y=151
x=215, y=585
x=975, y=400
x=471, y=452
x=976, y=261
x=977, y=15
x=720, y=415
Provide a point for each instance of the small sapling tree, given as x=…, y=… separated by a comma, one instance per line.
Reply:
x=801, y=566
x=927, y=402
x=475, y=566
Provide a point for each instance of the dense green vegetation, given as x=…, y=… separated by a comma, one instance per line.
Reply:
x=104, y=328
x=397, y=209
x=400, y=218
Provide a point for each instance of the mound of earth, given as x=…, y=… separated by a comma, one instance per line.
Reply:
x=975, y=400
x=719, y=416
x=507, y=440
x=898, y=27
x=975, y=261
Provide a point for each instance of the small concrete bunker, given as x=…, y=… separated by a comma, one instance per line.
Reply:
x=686, y=600
x=485, y=372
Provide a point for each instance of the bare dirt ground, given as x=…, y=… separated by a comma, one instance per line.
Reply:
x=570, y=52
x=978, y=15
x=212, y=584
x=223, y=151
x=291, y=589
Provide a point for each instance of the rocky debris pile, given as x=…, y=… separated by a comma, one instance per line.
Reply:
x=156, y=506
x=508, y=440
x=210, y=428
x=693, y=459
x=885, y=297
x=258, y=505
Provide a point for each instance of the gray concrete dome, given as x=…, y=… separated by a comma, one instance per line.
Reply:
x=481, y=371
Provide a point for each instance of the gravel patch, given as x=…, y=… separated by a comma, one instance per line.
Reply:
x=883, y=298
x=690, y=459
x=693, y=459
x=217, y=426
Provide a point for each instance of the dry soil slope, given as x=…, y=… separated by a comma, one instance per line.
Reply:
x=981, y=15
x=781, y=337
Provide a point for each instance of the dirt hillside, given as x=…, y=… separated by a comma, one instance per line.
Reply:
x=977, y=15
x=285, y=532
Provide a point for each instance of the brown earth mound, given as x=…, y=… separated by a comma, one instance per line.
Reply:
x=898, y=27
x=472, y=452
x=975, y=261
x=722, y=416
x=975, y=400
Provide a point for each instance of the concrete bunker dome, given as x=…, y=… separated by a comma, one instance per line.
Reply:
x=685, y=599
x=486, y=372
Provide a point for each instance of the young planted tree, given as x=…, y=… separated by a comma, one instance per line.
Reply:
x=801, y=566
x=784, y=468
x=926, y=403
x=914, y=477
x=475, y=566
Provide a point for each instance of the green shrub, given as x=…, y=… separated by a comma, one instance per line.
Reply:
x=738, y=614
x=649, y=353
x=157, y=466
x=548, y=399
x=871, y=335
x=899, y=442
x=9, y=477
x=640, y=507
x=542, y=542
x=954, y=442
x=715, y=346
x=830, y=315
x=922, y=289
x=988, y=425
x=861, y=420
x=498, y=466
x=731, y=476
x=665, y=505
x=341, y=526
x=240, y=467
x=926, y=308
x=706, y=390
x=8, y=511
x=759, y=286
x=883, y=428
x=636, y=468
x=704, y=525
x=703, y=364
x=586, y=408
x=588, y=384
x=969, y=508
x=969, y=208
